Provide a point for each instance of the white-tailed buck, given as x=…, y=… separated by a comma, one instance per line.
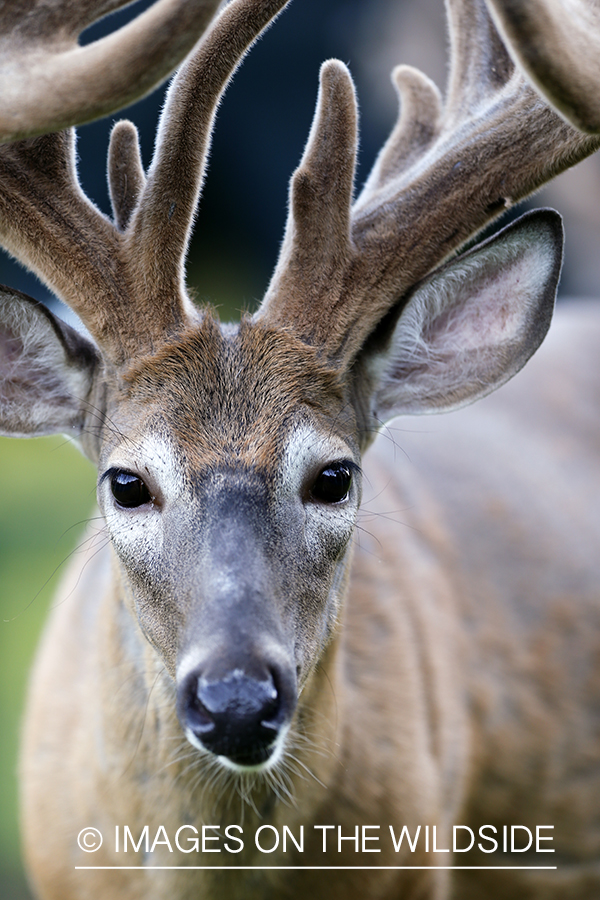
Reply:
x=241, y=655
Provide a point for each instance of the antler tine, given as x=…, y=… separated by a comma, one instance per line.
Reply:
x=161, y=224
x=317, y=246
x=479, y=61
x=126, y=177
x=135, y=264
x=48, y=82
x=478, y=66
x=556, y=45
x=440, y=178
x=417, y=128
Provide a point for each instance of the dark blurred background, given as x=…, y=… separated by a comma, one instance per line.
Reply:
x=46, y=488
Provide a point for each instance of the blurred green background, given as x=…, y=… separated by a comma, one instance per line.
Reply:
x=47, y=490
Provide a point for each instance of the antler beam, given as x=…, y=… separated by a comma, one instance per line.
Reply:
x=445, y=172
x=48, y=82
x=556, y=43
x=136, y=263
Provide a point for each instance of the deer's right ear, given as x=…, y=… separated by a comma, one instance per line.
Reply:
x=46, y=370
x=469, y=327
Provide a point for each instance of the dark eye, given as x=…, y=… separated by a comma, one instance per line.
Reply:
x=333, y=483
x=129, y=490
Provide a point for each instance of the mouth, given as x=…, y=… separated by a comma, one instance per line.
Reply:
x=254, y=760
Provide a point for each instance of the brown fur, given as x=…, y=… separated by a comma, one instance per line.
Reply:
x=202, y=377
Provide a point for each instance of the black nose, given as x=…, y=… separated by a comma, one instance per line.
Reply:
x=236, y=716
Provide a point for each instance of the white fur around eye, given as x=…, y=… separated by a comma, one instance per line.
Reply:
x=139, y=530
x=307, y=451
x=154, y=458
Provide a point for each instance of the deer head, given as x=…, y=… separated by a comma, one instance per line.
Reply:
x=229, y=456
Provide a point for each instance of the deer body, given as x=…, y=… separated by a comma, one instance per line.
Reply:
x=435, y=703
x=245, y=648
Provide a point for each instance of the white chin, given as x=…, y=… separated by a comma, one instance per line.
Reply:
x=270, y=763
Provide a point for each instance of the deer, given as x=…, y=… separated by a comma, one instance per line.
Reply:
x=317, y=662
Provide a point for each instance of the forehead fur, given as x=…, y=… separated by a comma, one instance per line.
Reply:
x=230, y=396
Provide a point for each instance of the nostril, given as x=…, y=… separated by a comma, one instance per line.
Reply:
x=192, y=711
x=237, y=716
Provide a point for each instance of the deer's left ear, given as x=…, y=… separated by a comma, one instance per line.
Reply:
x=468, y=327
x=46, y=370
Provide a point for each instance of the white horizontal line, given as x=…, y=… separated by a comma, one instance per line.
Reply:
x=327, y=868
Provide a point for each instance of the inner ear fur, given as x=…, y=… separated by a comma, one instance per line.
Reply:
x=467, y=328
x=46, y=370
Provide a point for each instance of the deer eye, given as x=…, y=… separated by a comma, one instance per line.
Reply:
x=333, y=483
x=129, y=490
